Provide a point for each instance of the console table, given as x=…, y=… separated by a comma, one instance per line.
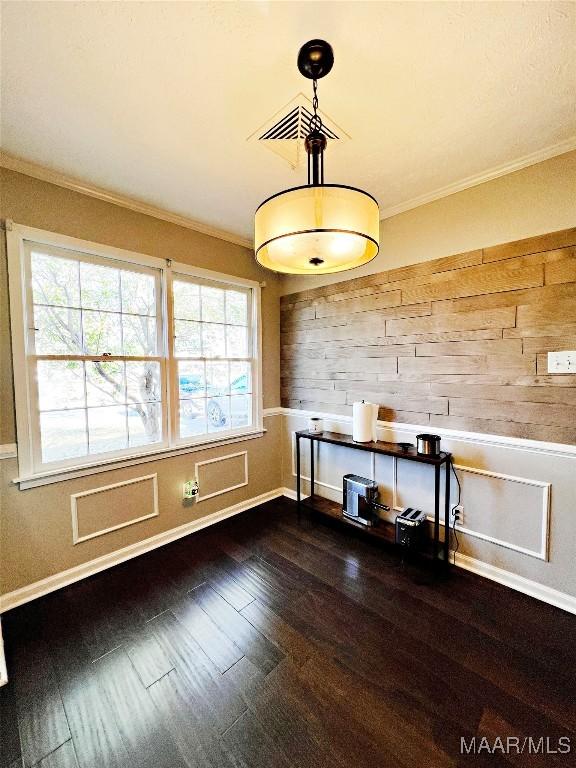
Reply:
x=323, y=506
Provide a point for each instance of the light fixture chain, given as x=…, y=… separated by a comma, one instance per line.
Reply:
x=316, y=121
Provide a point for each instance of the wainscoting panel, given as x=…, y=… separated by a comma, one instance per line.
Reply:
x=110, y=507
x=221, y=475
x=455, y=343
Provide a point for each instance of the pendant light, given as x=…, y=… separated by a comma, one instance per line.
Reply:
x=317, y=228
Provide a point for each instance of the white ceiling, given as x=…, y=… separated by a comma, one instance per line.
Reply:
x=155, y=100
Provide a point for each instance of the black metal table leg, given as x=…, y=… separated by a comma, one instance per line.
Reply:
x=311, y=468
x=436, y=511
x=447, y=515
x=298, y=501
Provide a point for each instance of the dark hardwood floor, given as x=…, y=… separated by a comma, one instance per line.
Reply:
x=264, y=643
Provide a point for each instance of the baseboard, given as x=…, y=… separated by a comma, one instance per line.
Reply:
x=519, y=583
x=506, y=578
x=62, y=579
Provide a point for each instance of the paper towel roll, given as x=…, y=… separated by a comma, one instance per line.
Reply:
x=364, y=422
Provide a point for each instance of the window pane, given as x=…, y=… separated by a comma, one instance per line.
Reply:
x=139, y=335
x=236, y=341
x=240, y=379
x=107, y=429
x=192, y=417
x=217, y=379
x=60, y=384
x=144, y=423
x=213, y=340
x=143, y=381
x=101, y=333
x=59, y=331
x=212, y=304
x=63, y=435
x=55, y=280
x=191, y=379
x=236, y=308
x=187, y=338
x=186, y=300
x=105, y=383
x=100, y=287
x=138, y=293
x=218, y=413
x=240, y=410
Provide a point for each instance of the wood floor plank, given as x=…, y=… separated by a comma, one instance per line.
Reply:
x=63, y=757
x=146, y=741
x=148, y=657
x=94, y=729
x=10, y=751
x=213, y=695
x=279, y=632
x=245, y=677
x=223, y=582
x=215, y=643
x=197, y=741
x=334, y=655
x=246, y=637
x=41, y=716
x=251, y=746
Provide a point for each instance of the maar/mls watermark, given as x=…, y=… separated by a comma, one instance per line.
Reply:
x=516, y=745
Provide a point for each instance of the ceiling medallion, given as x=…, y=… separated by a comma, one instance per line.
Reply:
x=317, y=228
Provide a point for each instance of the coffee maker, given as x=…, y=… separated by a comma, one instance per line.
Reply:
x=360, y=500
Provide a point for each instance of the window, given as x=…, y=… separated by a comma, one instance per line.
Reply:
x=118, y=355
x=212, y=356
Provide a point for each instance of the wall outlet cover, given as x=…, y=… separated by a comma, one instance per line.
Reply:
x=562, y=362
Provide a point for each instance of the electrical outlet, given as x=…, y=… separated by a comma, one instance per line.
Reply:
x=190, y=490
x=459, y=515
x=562, y=362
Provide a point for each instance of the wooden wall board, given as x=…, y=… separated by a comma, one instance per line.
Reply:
x=444, y=341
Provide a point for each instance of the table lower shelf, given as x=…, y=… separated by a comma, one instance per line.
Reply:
x=384, y=531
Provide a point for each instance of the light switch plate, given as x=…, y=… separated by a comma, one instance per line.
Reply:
x=562, y=362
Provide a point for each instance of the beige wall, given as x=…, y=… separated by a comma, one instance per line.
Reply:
x=35, y=525
x=535, y=200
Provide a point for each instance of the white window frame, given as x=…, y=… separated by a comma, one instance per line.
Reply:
x=25, y=395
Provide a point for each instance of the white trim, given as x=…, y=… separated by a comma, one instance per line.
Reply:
x=208, y=274
x=272, y=412
x=86, y=188
x=25, y=397
x=3, y=668
x=528, y=587
x=24, y=483
x=8, y=451
x=62, y=579
x=213, y=461
x=480, y=178
x=478, y=438
x=542, y=553
x=76, y=539
x=548, y=595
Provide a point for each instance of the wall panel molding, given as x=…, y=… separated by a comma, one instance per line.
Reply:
x=216, y=460
x=78, y=539
x=70, y=576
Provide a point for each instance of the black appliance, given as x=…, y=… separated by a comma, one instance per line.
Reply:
x=410, y=528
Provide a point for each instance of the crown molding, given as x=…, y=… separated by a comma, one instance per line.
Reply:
x=473, y=181
x=28, y=168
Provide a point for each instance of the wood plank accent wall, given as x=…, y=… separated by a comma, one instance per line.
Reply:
x=459, y=342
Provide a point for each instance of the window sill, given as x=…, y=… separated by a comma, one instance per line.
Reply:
x=70, y=473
